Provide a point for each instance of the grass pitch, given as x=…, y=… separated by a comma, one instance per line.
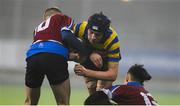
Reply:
x=14, y=95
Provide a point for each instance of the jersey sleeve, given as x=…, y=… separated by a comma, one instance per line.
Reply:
x=68, y=23
x=112, y=44
x=80, y=29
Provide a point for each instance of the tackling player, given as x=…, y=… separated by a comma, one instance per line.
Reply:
x=101, y=68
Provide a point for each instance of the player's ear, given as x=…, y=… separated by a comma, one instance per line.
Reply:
x=126, y=79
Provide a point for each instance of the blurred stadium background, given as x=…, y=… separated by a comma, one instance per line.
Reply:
x=149, y=31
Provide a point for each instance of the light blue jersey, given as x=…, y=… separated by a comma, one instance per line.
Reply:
x=47, y=47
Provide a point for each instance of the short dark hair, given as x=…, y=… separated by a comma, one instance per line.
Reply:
x=97, y=98
x=139, y=73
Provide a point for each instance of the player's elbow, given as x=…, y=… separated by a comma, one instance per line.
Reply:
x=112, y=76
x=113, y=72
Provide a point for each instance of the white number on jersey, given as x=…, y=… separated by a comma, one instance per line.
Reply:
x=42, y=27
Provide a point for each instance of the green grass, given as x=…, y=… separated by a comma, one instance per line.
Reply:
x=167, y=98
x=14, y=95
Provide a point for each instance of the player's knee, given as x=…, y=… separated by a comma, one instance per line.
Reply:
x=91, y=84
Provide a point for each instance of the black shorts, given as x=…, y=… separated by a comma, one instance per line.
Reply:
x=54, y=66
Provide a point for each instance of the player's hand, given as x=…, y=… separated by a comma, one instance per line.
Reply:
x=80, y=70
x=96, y=59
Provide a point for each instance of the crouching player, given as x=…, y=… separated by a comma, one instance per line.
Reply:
x=131, y=93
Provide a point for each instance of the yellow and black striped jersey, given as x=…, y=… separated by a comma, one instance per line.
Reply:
x=109, y=45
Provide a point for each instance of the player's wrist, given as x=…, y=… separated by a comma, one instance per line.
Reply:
x=86, y=72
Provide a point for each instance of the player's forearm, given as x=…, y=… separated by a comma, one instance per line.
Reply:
x=69, y=38
x=107, y=75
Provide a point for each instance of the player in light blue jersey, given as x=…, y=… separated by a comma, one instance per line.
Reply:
x=48, y=55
